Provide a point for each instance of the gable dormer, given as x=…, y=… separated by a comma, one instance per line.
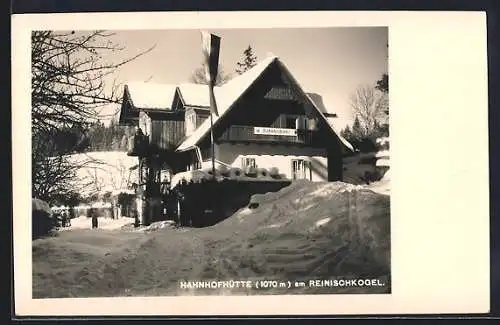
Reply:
x=129, y=115
x=194, y=117
x=190, y=121
x=177, y=104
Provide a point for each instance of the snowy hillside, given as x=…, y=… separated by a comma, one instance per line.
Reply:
x=103, y=171
x=305, y=231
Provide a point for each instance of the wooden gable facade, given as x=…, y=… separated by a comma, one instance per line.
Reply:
x=273, y=111
x=165, y=130
x=275, y=104
x=266, y=121
x=272, y=102
x=129, y=114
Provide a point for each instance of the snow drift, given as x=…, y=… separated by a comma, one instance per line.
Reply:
x=306, y=230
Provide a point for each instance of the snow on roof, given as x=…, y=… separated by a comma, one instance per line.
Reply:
x=160, y=96
x=225, y=96
x=318, y=100
x=151, y=95
x=192, y=175
x=229, y=93
x=319, y=110
x=194, y=94
x=346, y=143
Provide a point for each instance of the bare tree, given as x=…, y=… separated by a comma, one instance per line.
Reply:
x=118, y=175
x=53, y=173
x=68, y=77
x=69, y=73
x=369, y=106
x=199, y=76
x=53, y=170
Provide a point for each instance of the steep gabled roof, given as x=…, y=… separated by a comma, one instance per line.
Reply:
x=228, y=94
x=128, y=113
x=318, y=109
x=155, y=96
x=194, y=95
x=151, y=95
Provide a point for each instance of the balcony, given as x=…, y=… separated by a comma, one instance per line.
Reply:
x=137, y=145
x=244, y=133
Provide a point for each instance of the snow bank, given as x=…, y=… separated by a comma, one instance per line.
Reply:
x=366, y=168
x=382, y=163
x=155, y=226
x=293, y=234
x=189, y=176
x=382, y=154
x=83, y=222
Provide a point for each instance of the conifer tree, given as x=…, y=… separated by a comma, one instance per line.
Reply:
x=357, y=129
x=249, y=61
x=346, y=133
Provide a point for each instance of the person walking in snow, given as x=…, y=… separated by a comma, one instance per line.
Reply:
x=93, y=216
x=64, y=218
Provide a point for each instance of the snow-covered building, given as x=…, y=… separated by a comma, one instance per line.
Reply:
x=265, y=120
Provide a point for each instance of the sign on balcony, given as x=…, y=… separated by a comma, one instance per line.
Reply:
x=275, y=131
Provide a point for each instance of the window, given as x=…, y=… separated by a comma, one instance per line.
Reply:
x=301, y=169
x=295, y=121
x=193, y=166
x=200, y=120
x=248, y=162
x=145, y=125
x=165, y=175
x=311, y=124
x=290, y=122
x=190, y=122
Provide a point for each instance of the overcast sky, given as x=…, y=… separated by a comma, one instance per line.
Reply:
x=329, y=61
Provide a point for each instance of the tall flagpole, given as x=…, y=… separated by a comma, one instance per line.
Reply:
x=213, y=144
x=213, y=108
x=211, y=48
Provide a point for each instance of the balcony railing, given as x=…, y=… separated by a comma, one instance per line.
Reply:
x=244, y=133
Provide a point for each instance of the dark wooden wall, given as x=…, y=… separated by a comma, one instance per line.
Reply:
x=166, y=134
x=263, y=106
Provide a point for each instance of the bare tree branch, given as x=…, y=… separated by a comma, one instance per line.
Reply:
x=69, y=86
x=68, y=77
x=369, y=106
x=199, y=76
